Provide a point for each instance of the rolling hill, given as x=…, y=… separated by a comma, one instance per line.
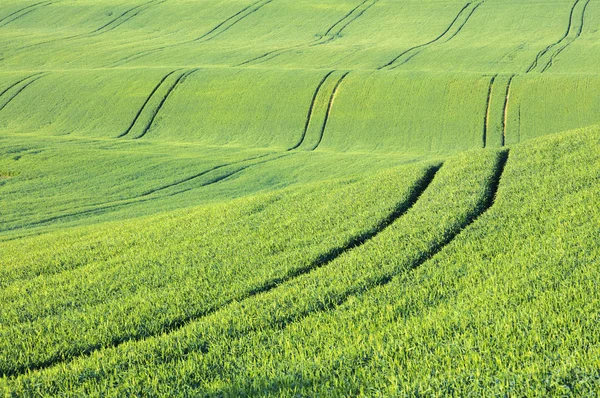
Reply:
x=299, y=198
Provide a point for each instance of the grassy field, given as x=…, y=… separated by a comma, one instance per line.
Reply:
x=299, y=198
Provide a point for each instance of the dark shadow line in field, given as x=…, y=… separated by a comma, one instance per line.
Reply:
x=311, y=110
x=329, y=109
x=139, y=113
x=335, y=302
x=438, y=38
x=488, y=104
x=322, y=260
x=505, y=110
x=171, y=89
x=569, y=42
x=32, y=80
x=23, y=12
x=535, y=63
x=324, y=39
x=211, y=34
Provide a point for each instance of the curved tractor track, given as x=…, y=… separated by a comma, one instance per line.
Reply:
x=545, y=58
x=455, y=27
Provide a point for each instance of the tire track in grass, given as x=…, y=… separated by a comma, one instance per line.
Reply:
x=164, y=99
x=102, y=208
x=334, y=301
x=217, y=30
x=322, y=260
x=17, y=88
x=124, y=17
x=311, y=110
x=486, y=119
x=139, y=113
x=22, y=12
x=545, y=58
x=112, y=24
x=505, y=111
x=329, y=35
x=569, y=42
x=330, y=108
x=455, y=27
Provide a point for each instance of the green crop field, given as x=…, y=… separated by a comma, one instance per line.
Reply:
x=299, y=198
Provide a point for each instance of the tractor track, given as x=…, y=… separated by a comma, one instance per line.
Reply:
x=329, y=35
x=545, y=58
x=27, y=82
x=217, y=30
x=486, y=119
x=322, y=260
x=404, y=57
x=22, y=12
x=311, y=110
x=164, y=99
x=139, y=113
x=505, y=110
x=330, y=108
x=146, y=196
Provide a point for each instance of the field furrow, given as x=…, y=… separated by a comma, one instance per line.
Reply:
x=497, y=111
x=505, y=109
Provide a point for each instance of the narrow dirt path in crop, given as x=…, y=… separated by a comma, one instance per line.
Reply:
x=331, y=34
x=22, y=12
x=545, y=58
x=217, y=30
x=17, y=88
x=455, y=27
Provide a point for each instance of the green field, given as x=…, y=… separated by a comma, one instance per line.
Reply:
x=299, y=198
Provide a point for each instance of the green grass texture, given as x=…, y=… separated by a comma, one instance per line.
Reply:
x=299, y=198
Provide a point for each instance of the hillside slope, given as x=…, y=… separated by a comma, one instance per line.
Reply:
x=299, y=197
